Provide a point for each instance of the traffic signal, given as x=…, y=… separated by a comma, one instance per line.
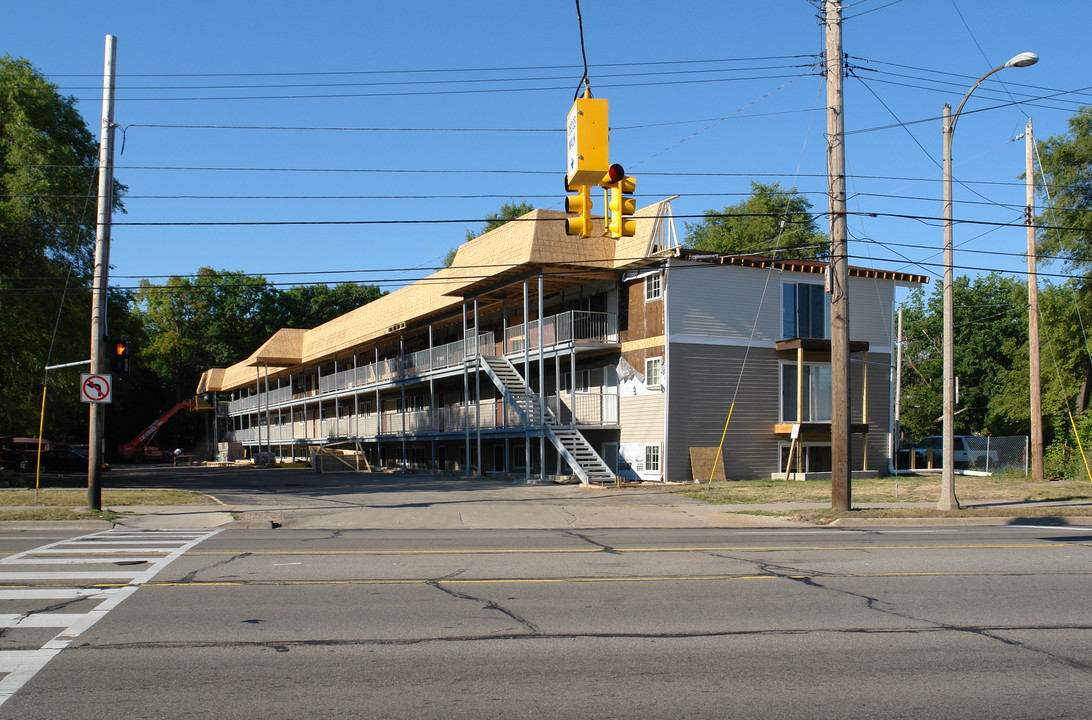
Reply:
x=581, y=205
x=119, y=356
x=617, y=185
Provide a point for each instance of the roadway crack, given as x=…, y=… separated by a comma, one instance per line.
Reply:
x=487, y=604
x=596, y=543
x=191, y=576
x=283, y=645
x=809, y=578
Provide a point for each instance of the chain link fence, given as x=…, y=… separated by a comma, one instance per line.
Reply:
x=1006, y=454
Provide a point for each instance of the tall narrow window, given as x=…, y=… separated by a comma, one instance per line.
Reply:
x=816, y=398
x=652, y=458
x=652, y=287
x=654, y=372
x=805, y=310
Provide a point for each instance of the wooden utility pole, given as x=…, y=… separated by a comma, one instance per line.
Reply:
x=1036, y=390
x=102, y=269
x=840, y=477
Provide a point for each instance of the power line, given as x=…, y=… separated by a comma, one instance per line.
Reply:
x=494, y=171
x=405, y=71
x=445, y=81
x=420, y=93
x=448, y=221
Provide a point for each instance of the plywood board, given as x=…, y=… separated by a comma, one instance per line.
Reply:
x=701, y=462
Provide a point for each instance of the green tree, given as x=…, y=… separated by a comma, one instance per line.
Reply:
x=990, y=327
x=1065, y=185
x=212, y=320
x=508, y=211
x=771, y=221
x=308, y=306
x=1065, y=227
x=1063, y=311
x=48, y=184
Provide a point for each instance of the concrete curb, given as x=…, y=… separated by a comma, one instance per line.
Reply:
x=1045, y=521
x=56, y=525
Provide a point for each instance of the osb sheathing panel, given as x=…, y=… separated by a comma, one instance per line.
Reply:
x=284, y=348
x=211, y=380
x=536, y=238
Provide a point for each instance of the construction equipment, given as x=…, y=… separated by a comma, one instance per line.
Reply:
x=143, y=448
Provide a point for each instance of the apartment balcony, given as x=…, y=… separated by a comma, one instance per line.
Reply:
x=573, y=327
x=581, y=410
x=564, y=330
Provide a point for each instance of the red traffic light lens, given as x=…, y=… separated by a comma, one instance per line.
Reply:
x=615, y=172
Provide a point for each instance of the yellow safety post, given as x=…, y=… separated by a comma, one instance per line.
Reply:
x=38, y=464
x=1079, y=445
x=720, y=448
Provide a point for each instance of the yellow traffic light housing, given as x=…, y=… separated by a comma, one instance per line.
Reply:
x=586, y=134
x=617, y=185
x=581, y=205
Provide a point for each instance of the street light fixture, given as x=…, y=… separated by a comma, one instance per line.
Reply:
x=947, y=487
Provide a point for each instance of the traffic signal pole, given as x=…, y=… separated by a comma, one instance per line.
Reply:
x=102, y=267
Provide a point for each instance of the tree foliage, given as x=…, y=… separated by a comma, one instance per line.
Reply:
x=308, y=306
x=220, y=317
x=1066, y=187
x=990, y=327
x=48, y=195
x=771, y=221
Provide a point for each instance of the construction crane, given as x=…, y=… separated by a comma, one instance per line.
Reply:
x=144, y=447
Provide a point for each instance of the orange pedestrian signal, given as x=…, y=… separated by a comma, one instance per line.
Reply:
x=119, y=356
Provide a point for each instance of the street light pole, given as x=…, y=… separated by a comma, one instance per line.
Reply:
x=948, y=499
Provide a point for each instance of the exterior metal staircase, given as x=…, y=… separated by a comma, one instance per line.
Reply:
x=570, y=442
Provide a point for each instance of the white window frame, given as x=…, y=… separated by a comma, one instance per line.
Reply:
x=808, y=391
x=653, y=458
x=659, y=361
x=653, y=288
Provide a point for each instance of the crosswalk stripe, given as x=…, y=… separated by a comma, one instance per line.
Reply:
x=83, y=560
x=53, y=593
x=39, y=620
x=161, y=547
x=74, y=575
x=111, y=543
x=63, y=551
x=14, y=661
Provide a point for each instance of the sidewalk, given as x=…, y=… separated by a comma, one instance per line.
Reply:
x=539, y=507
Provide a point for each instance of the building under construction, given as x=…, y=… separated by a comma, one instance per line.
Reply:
x=537, y=354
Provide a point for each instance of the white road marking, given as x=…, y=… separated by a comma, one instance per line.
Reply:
x=22, y=665
x=74, y=575
x=53, y=593
x=87, y=560
x=39, y=620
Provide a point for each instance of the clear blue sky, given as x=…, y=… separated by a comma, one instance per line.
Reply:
x=704, y=97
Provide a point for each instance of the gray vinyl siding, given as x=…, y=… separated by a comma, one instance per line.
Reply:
x=871, y=308
x=642, y=418
x=879, y=409
x=720, y=303
x=702, y=381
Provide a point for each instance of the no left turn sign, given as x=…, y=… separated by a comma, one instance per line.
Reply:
x=96, y=388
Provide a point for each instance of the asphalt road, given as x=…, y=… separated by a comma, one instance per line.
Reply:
x=465, y=623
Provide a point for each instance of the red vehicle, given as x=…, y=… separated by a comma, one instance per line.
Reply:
x=144, y=447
